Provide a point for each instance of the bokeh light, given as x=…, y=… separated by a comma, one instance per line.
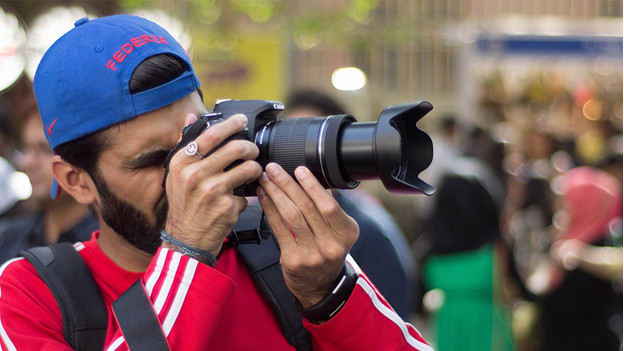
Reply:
x=348, y=78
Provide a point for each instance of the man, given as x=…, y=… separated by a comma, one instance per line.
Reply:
x=114, y=93
x=63, y=220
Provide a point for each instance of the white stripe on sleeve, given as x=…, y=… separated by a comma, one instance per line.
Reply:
x=174, y=311
x=166, y=287
x=160, y=263
x=391, y=315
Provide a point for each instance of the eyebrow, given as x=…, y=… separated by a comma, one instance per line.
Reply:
x=148, y=159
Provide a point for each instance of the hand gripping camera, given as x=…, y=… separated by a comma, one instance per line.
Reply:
x=337, y=149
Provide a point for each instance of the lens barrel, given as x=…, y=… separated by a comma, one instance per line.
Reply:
x=312, y=142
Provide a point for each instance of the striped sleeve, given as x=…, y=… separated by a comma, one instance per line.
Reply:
x=176, y=286
x=366, y=322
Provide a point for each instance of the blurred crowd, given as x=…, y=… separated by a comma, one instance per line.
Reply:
x=520, y=248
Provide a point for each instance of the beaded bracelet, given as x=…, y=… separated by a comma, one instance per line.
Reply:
x=331, y=303
x=188, y=250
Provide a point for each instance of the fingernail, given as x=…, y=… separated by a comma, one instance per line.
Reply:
x=243, y=119
x=301, y=172
x=264, y=178
x=272, y=169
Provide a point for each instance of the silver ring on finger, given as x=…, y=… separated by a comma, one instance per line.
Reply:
x=192, y=149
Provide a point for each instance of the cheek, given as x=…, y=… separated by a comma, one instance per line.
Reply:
x=147, y=184
x=141, y=188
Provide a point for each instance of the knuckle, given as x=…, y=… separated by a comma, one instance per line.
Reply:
x=228, y=203
x=211, y=137
x=334, y=252
x=355, y=228
x=307, y=206
x=253, y=168
x=210, y=187
x=185, y=174
x=311, y=260
x=293, y=217
x=237, y=147
x=329, y=209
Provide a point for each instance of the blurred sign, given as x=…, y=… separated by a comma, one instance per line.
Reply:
x=564, y=45
x=254, y=69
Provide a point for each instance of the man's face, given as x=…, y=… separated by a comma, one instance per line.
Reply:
x=131, y=199
x=36, y=160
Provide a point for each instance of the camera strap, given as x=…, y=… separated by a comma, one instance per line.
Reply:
x=138, y=323
x=250, y=228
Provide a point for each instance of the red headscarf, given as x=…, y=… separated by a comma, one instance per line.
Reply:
x=591, y=199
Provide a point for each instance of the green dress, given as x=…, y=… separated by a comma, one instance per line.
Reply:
x=471, y=316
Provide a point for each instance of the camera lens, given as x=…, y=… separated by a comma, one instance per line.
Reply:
x=339, y=151
x=313, y=141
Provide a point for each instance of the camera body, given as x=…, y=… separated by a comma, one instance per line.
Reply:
x=337, y=149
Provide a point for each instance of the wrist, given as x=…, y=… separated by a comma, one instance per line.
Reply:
x=334, y=300
x=200, y=255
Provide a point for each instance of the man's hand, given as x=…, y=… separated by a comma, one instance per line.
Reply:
x=313, y=232
x=202, y=206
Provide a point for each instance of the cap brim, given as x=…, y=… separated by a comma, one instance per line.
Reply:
x=56, y=190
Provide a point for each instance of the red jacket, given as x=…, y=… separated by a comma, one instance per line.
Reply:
x=199, y=307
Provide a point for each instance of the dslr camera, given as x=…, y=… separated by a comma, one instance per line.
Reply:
x=337, y=149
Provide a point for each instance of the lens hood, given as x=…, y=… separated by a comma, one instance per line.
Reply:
x=402, y=150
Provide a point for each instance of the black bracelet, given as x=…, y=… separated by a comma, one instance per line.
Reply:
x=331, y=303
x=188, y=250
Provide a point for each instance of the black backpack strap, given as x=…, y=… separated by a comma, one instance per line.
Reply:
x=249, y=228
x=137, y=320
x=85, y=318
x=262, y=262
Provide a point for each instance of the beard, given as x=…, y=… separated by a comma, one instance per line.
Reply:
x=128, y=221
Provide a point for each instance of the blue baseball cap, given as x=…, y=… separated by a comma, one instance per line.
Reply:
x=82, y=82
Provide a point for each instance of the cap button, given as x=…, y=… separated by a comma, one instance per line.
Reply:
x=81, y=21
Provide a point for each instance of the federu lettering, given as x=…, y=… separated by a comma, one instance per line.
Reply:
x=126, y=49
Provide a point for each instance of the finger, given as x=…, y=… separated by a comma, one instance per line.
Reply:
x=328, y=207
x=284, y=236
x=215, y=134
x=227, y=154
x=190, y=119
x=288, y=211
x=299, y=197
x=243, y=173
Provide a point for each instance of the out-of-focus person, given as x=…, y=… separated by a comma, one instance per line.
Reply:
x=579, y=281
x=11, y=198
x=54, y=221
x=8, y=131
x=464, y=260
x=8, y=196
x=382, y=249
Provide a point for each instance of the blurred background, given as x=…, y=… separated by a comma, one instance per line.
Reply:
x=533, y=88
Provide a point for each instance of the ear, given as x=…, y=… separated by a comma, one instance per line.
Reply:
x=74, y=180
